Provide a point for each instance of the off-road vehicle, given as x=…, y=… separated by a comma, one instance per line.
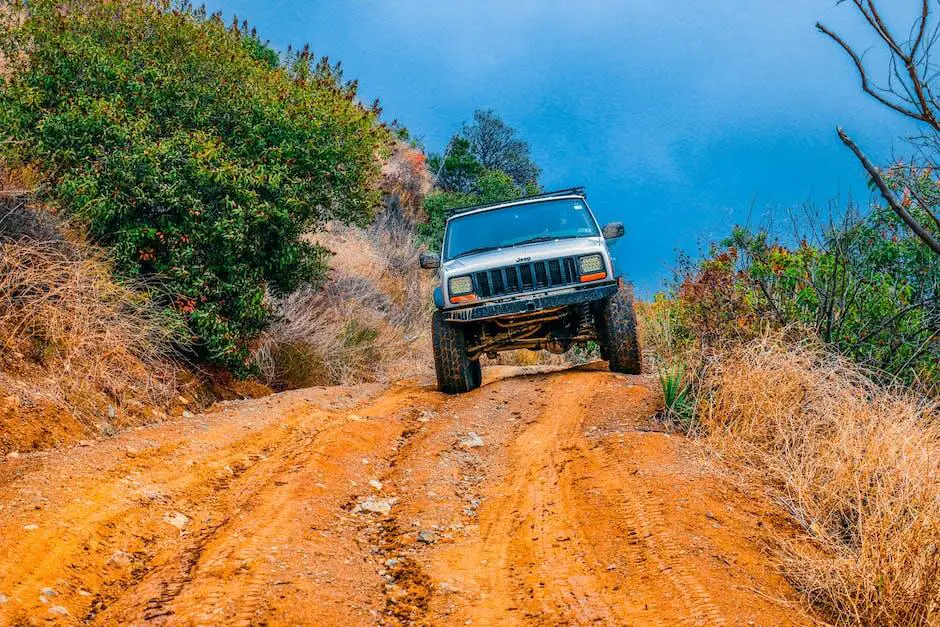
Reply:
x=534, y=273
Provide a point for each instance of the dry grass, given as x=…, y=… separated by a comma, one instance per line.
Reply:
x=658, y=335
x=856, y=465
x=370, y=322
x=70, y=335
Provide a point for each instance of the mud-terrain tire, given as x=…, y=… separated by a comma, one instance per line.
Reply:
x=617, y=322
x=456, y=373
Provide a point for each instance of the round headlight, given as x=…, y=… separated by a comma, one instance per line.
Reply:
x=591, y=264
x=460, y=285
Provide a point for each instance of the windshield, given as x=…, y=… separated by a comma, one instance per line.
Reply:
x=519, y=224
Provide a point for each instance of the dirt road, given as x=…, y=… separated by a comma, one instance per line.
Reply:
x=543, y=499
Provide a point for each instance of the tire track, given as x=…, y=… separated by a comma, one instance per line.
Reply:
x=562, y=509
x=659, y=556
x=585, y=521
x=572, y=595
x=237, y=571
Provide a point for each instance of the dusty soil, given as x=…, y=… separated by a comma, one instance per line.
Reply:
x=36, y=416
x=547, y=498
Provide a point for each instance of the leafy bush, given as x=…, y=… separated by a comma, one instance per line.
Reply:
x=191, y=150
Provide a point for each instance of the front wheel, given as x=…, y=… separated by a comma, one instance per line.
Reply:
x=617, y=321
x=456, y=372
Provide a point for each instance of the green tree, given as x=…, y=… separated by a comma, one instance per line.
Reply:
x=191, y=150
x=460, y=168
x=497, y=146
x=485, y=162
x=486, y=145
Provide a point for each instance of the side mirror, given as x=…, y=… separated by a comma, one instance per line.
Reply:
x=429, y=261
x=613, y=230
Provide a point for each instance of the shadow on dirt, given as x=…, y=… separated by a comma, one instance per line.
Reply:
x=494, y=374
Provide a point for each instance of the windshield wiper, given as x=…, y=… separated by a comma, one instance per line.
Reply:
x=536, y=240
x=473, y=251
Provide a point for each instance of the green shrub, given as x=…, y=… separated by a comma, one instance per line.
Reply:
x=867, y=288
x=191, y=150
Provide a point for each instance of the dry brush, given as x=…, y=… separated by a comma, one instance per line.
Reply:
x=855, y=464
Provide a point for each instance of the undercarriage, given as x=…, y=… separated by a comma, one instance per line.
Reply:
x=571, y=319
x=555, y=330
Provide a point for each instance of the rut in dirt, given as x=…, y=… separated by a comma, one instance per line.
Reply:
x=541, y=498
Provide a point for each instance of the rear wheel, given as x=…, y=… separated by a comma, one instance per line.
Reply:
x=456, y=372
x=617, y=322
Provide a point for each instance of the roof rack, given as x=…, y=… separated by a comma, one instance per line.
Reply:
x=579, y=191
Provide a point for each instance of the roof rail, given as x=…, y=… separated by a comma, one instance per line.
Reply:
x=579, y=191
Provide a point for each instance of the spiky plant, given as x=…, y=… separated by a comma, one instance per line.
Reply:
x=677, y=396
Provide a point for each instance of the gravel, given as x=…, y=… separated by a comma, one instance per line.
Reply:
x=471, y=441
x=375, y=506
x=428, y=537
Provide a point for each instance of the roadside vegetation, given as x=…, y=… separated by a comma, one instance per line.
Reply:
x=81, y=354
x=370, y=319
x=251, y=217
x=194, y=153
x=809, y=360
x=852, y=462
x=162, y=178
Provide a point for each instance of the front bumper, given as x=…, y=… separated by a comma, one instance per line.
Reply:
x=528, y=305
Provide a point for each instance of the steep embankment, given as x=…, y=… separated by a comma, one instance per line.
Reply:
x=542, y=499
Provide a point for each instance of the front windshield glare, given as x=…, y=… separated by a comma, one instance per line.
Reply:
x=533, y=222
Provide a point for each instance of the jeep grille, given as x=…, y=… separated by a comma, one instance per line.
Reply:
x=526, y=277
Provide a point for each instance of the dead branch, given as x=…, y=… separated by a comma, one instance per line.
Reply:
x=888, y=195
x=867, y=87
x=908, y=92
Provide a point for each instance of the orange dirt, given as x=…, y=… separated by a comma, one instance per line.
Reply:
x=567, y=506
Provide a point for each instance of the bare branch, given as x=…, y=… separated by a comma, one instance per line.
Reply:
x=908, y=59
x=913, y=88
x=924, y=14
x=866, y=85
x=879, y=25
x=889, y=196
